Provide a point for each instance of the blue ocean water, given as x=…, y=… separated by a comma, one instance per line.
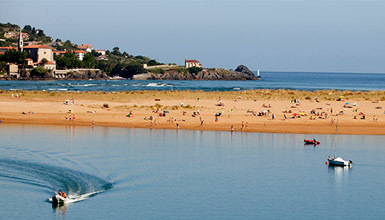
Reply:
x=270, y=80
x=171, y=174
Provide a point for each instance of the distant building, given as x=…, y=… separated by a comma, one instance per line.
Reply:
x=59, y=52
x=86, y=47
x=102, y=57
x=4, y=49
x=20, y=42
x=102, y=52
x=80, y=54
x=29, y=62
x=192, y=63
x=39, y=52
x=48, y=65
x=13, y=70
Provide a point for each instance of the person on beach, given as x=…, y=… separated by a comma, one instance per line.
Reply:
x=232, y=128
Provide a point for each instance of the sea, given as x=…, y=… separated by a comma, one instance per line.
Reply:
x=309, y=81
x=125, y=173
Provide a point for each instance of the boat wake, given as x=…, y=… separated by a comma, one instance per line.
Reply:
x=78, y=185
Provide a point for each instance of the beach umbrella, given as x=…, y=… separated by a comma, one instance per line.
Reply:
x=347, y=103
x=295, y=114
x=302, y=113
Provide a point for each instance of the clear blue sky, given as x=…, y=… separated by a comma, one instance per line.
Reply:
x=285, y=35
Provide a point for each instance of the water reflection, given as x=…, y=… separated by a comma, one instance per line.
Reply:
x=339, y=174
x=60, y=210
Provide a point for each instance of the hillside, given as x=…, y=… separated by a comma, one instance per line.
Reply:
x=111, y=62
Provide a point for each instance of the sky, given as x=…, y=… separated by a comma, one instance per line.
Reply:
x=274, y=35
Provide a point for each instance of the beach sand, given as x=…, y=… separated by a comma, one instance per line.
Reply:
x=238, y=109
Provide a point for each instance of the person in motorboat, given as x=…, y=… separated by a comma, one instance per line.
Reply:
x=59, y=193
x=64, y=194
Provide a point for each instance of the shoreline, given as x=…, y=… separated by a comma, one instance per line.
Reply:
x=187, y=110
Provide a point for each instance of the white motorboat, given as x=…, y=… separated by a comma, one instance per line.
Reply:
x=338, y=161
x=59, y=200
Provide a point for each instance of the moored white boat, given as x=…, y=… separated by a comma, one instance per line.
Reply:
x=338, y=161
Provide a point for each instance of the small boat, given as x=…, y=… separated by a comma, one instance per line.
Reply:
x=338, y=161
x=258, y=75
x=314, y=142
x=59, y=200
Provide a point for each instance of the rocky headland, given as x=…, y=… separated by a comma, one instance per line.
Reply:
x=240, y=73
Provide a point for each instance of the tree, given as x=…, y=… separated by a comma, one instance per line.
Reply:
x=132, y=69
x=153, y=63
x=116, y=51
x=3, y=66
x=40, y=72
x=27, y=28
x=44, y=61
x=194, y=70
x=14, y=56
x=89, y=61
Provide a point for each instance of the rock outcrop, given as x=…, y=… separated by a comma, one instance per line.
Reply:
x=241, y=73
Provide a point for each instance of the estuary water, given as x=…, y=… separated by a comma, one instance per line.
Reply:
x=124, y=173
x=270, y=80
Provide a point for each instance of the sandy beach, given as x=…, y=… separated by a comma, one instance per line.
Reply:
x=273, y=111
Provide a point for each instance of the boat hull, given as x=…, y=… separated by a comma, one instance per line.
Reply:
x=339, y=162
x=58, y=200
x=308, y=141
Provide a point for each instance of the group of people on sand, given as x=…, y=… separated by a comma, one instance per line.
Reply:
x=62, y=193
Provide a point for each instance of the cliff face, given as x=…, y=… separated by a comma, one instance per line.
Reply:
x=241, y=73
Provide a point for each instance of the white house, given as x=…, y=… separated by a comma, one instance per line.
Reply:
x=192, y=63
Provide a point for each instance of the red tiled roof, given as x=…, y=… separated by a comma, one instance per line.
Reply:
x=85, y=45
x=60, y=52
x=41, y=61
x=8, y=48
x=80, y=51
x=37, y=46
x=192, y=61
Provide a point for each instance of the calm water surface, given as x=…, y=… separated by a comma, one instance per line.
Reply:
x=122, y=173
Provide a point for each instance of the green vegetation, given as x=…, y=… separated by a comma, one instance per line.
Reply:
x=4, y=29
x=115, y=63
x=36, y=34
x=194, y=70
x=14, y=56
x=40, y=72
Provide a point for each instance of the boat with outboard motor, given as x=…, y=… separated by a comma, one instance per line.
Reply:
x=59, y=200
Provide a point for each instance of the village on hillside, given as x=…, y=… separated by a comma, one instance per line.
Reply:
x=28, y=54
x=52, y=57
